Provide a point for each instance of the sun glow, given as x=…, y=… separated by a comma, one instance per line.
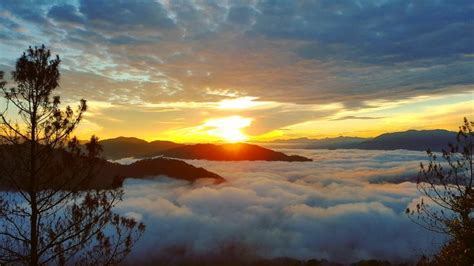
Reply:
x=247, y=102
x=238, y=103
x=228, y=128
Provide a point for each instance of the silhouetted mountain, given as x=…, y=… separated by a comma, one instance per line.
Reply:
x=122, y=147
x=335, y=143
x=230, y=152
x=105, y=175
x=132, y=147
x=151, y=168
x=307, y=143
x=419, y=140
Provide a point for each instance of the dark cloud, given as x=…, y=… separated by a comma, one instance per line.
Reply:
x=65, y=13
x=311, y=52
x=115, y=15
x=240, y=14
x=29, y=10
x=371, y=31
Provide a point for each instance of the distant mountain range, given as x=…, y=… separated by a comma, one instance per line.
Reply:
x=122, y=147
x=435, y=140
x=306, y=143
x=418, y=140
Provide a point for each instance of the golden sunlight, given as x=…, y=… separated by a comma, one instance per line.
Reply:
x=238, y=103
x=228, y=128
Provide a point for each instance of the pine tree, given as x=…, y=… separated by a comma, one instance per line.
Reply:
x=48, y=211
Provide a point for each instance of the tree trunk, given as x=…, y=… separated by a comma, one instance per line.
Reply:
x=34, y=233
x=34, y=205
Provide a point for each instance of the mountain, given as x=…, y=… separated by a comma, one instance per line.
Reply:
x=105, y=174
x=113, y=172
x=335, y=143
x=306, y=143
x=122, y=147
x=419, y=140
x=230, y=152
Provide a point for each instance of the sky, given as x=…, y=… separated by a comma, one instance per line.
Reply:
x=216, y=70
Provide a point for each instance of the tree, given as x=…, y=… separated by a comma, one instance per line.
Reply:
x=48, y=211
x=447, y=204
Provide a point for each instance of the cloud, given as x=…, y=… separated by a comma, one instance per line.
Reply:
x=295, y=55
x=327, y=209
x=241, y=14
x=311, y=52
x=372, y=31
x=350, y=117
x=125, y=14
x=65, y=13
x=31, y=11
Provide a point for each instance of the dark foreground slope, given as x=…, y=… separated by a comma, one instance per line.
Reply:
x=105, y=174
x=230, y=152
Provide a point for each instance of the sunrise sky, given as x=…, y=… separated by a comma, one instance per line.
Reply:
x=205, y=71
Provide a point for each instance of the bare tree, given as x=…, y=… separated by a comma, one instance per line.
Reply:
x=49, y=213
x=447, y=204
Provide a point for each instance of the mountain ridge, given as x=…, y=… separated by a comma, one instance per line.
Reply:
x=419, y=140
x=122, y=147
x=435, y=139
x=230, y=152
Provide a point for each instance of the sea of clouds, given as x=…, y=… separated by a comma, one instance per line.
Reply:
x=345, y=206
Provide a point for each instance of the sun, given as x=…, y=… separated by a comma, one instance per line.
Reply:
x=229, y=128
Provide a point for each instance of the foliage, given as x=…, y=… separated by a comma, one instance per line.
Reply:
x=48, y=213
x=448, y=199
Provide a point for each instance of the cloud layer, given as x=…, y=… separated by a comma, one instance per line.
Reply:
x=297, y=48
x=345, y=206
